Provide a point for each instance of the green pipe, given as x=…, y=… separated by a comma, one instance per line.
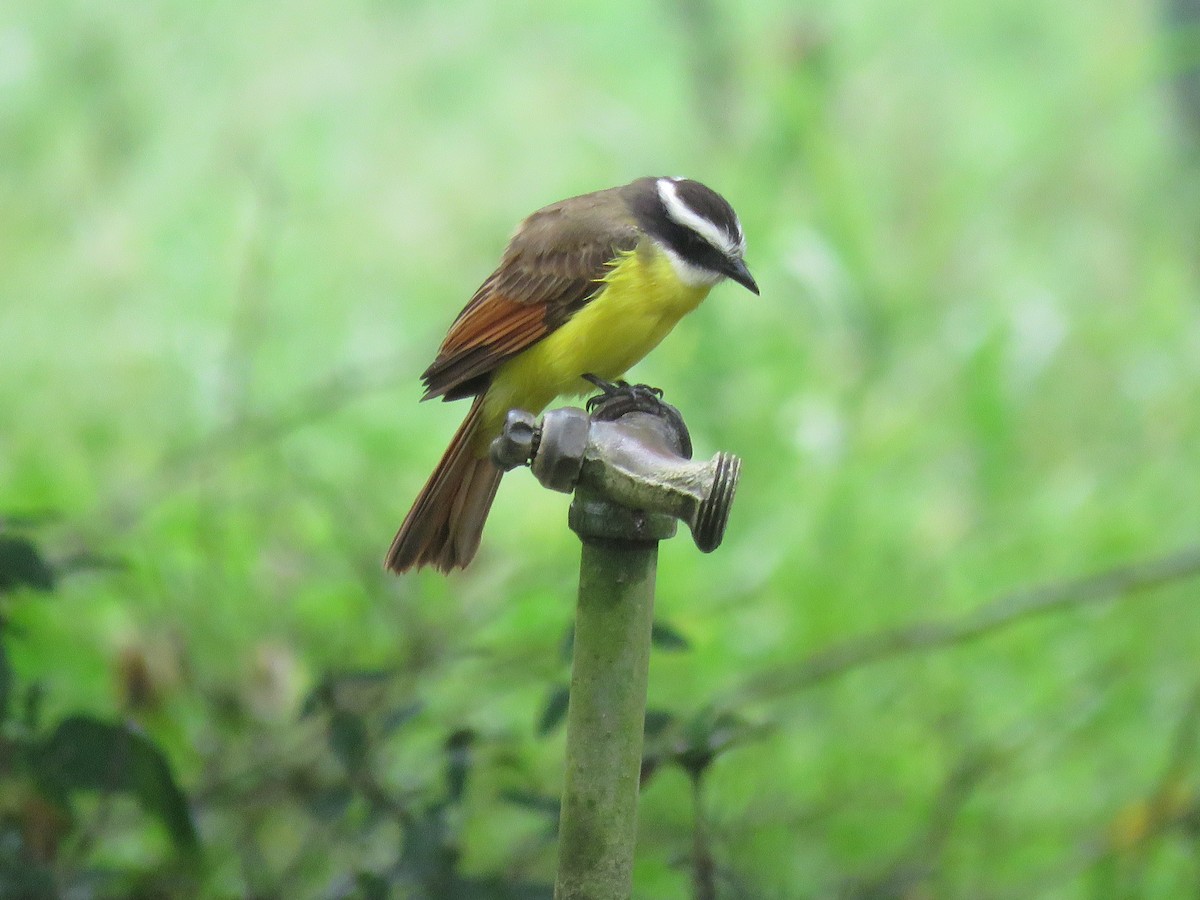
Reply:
x=629, y=465
x=607, y=712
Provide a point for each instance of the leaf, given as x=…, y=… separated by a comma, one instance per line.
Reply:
x=706, y=737
x=6, y=684
x=30, y=518
x=319, y=698
x=86, y=754
x=657, y=747
x=358, y=689
x=31, y=708
x=371, y=887
x=428, y=857
x=532, y=801
x=458, y=762
x=666, y=637
x=330, y=804
x=495, y=888
x=356, y=681
x=566, y=649
x=21, y=565
x=348, y=740
x=554, y=710
x=649, y=768
x=398, y=718
x=21, y=876
x=657, y=721
x=87, y=561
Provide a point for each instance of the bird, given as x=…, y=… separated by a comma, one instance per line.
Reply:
x=585, y=288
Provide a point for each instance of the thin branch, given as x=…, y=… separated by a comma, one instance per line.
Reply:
x=1169, y=806
x=704, y=869
x=920, y=862
x=1007, y=610
x=1182, y=756
x=249, y=432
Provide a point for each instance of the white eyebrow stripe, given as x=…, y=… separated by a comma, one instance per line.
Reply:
x=684, y=215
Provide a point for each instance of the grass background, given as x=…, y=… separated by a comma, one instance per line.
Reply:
x=232, y=235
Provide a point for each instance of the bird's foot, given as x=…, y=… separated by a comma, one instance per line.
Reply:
x=609, y=390
x=622, y=398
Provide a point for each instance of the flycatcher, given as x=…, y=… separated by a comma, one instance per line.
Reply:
x=586, y=286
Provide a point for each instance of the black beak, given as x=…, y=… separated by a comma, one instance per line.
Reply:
x=736, y=269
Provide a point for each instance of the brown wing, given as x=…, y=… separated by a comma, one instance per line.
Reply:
x=552, y=268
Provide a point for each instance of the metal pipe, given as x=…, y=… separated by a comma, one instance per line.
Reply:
x=605, y=719
x=629, y=464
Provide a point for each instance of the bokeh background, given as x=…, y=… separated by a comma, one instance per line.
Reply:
x=949, y=646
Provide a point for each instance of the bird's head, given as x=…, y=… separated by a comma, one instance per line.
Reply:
x=696, y=227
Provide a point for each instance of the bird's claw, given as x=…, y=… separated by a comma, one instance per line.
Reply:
x=622, y=398
x=609, y=390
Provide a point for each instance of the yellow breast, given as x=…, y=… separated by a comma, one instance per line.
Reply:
x=640, y=301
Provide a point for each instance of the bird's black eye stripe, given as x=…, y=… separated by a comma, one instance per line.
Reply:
x=688, y=244
x=654, y=219
x=695, y=249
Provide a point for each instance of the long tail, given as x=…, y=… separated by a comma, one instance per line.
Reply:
x=446, y=521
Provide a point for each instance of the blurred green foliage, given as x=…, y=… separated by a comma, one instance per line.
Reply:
x=231, y=236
